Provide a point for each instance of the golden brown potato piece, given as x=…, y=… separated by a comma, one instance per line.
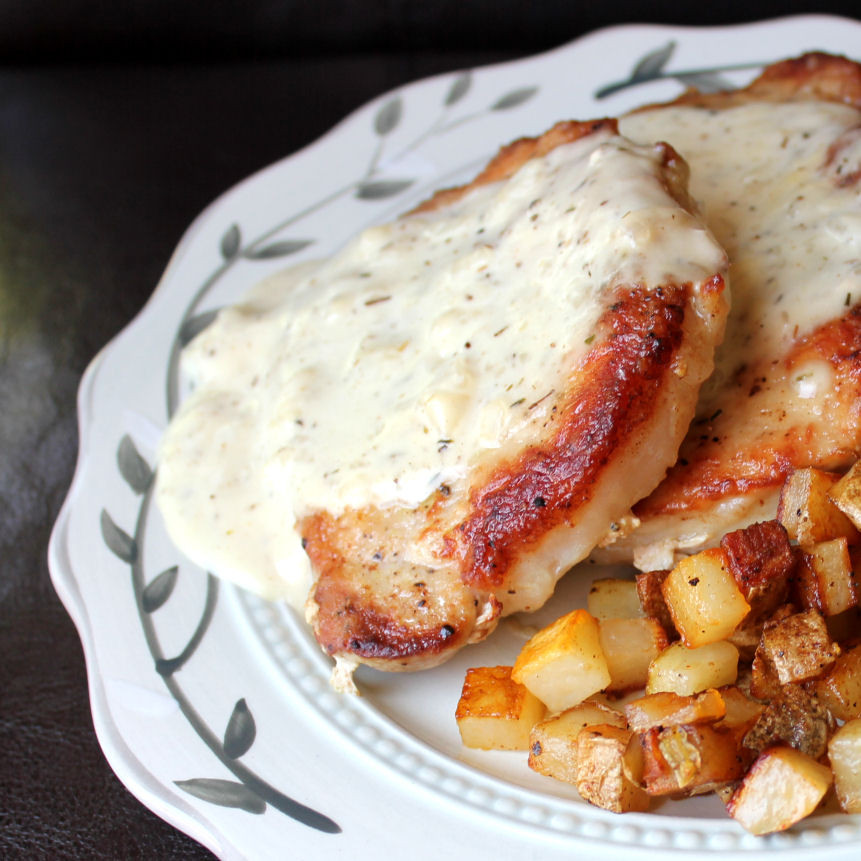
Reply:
x=806, y=511
x=494, y=712
x=839, y=690
x=614, y=598
x=824, y=579
x=630, y=646
x=689, y=759
x=564, y=663
x=844, y=753
x=669, y=709
x=703, y=598
x=846, y=494
x=781, y=788
x=687, y=671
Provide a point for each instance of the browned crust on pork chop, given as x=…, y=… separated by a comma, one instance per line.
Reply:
x=373, y=603
x=614, y=393
x=776, y=442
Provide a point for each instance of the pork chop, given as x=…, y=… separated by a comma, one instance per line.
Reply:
x=775, y=169
x=453, y=410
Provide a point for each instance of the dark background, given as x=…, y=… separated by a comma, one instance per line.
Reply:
x=119, y=122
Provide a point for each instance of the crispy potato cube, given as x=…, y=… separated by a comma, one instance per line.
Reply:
x=553, y=742
x=494, y=712
x=687, y=671
x=781, y=788
x=761, y=560
x=798, y=647
x=669, y=709
x=614, y=598
x=652, y=598
x=807, y=512
x=609, y=768
x=844, y=753
x=839, y=690
x=563, y=663
x=793, y=716
x=630, y=646
x=825, y=580
x=846, y=494
x=703, y=598
x=689, y=759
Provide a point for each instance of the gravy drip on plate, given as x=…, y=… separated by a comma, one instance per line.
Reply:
x=386, y=371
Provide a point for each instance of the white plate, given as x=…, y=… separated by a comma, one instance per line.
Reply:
x=212, y=706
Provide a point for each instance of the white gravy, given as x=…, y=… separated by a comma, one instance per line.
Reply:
x=379, y=374
x=793, y=235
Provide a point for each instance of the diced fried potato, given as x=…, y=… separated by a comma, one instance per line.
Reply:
x=614, y=598
x=494, y=712
x=687, y=671
x=807, y=512
x=761, y=560
x=846, y=494
x=669, y=709
x=553, y=742
x=781, y=788
x=793, y=716
x=703, y=598
x=630, y=646
x=825, y=580
x=689, y=759
x=741, y=712
x=652, y=598
x=609, y=769
x=564, y=663
x=798, y=647
x=840, y=688
x=844, y=753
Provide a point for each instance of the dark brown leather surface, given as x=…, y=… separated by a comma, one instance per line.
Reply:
x=101, y=170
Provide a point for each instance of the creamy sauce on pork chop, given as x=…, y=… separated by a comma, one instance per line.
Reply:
x=379, y=375
x=767, y=178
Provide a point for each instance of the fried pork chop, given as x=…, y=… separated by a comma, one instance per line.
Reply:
x=453, y=410
x=775, y=169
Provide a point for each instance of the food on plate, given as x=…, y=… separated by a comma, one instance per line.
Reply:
x=457, y=407
x=768, y=729
x=776, y=170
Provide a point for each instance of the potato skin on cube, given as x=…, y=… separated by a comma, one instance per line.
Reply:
x=844, y=753
x=609, y=769
x=798, y=647
x=703, y=599
x=781, y=788
x=494, y=712
x=652, y=601
x=761, y=560
x=553, y=741
x=690, y=759
x=688, y=671
x=563, y=664
x=839, y=690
